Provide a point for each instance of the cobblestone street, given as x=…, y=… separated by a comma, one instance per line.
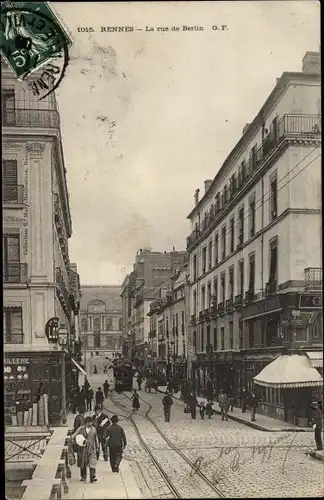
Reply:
x=240, y=460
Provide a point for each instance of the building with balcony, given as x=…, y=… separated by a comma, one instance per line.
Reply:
x=169, y=326
x=150, y=270
x=40, y=282
x=255, y=247
x=100, y=323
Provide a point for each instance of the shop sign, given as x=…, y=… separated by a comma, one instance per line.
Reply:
x=262, y=307
x=16, y=361
x=310, y=302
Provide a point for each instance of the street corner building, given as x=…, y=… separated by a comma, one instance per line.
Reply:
x=100, y=324
x=255, y=249
x=41, y=285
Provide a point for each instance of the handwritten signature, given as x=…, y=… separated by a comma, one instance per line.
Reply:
x=236, y=460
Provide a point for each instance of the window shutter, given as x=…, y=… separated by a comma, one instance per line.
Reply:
x=9, y=172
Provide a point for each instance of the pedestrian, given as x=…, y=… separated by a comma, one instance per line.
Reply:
x=167, y=402
x=318, y=424
x=95, y=371
x=209, y=409
x=89, y=398
x=81, y=399
x=79, y=419
x=75, y=399
x=86, y=384
x=253, y=402
x=231, y=398
x=170, y=386
x=88, y=445
x=136, y=403
x=115, y=441
x=202, y=410
x=139, y=381
x=106, y=388
x=244, y=399
x=101, y=422
x=193, y=403
x=99, y=398
x=209, y=390
x=223, y=404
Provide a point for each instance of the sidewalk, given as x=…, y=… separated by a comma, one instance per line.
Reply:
x=109, y=485
x=262, y=423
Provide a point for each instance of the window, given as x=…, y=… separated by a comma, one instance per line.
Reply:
x=195, y=267
x=273, y=198
x=241, y=335
x=11, y=258
x=96, y=325
x=10, y=181
x=207, y=335
x=215, y=339
x=252, y=217
x=194, y=302
x=243, y=171
x=216, y=249
x=251, y=333
x=217, y=202
x=232, y=233
x=222, y=339
x=216, y=290
x=203, y=297
x=8, y=106
x=194, y=339
x=231, y=282
x=12, y=325
x=223, y=287
x=182, y=323
x=253, y=157
x=209, y=296
x=96, y=338
x=251, y=273
x=273, y=273
x=241, y=226
x=241, y=277
x=223, y=242
x=231, y=341
x=233, y=185
x=202, y=347
x=210, y=255
x=84, y=325
x=177, y=324
x=204, y=258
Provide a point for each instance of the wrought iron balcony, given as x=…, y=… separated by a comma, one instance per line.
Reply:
x=62, y=291
x=238, y=301
x=249, y=296
x=220, y=307
x=271, y=288
x=14, y=272
x=313, y=277
x=193, y=319
x=12, y=193
x=229, y=304
x=201, y=315
x=42, y=118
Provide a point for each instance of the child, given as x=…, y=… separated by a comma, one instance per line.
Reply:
x=209, y=409
x=202, y=410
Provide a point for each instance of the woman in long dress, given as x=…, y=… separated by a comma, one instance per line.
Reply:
x=87, y=449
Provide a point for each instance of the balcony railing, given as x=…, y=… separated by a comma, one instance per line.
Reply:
x=238, y=301
x=249, y=296
x=289, y=126
x=271, y=288
x=12, y=193
x=43, y=118
x=313, y=277
x=14, y=272
x=62, y=291
x=229, y=304
x=220, y=307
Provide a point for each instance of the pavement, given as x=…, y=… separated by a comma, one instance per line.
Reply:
x=262, y=423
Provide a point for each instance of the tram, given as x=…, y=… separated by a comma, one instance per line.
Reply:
x=123, y=374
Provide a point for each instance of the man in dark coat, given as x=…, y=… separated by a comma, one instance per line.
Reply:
x=209, y=390
x=244, y=399
x=89, y=398
x=139, y=381
x=75, y=397
x=253, y=402
x=79, y=419
x=101, y=422
x=318, y=425
x=116, y=442
x=167, y=402
x=81, y=399
x=193, y=403
x=99, y=397
x=106, y=388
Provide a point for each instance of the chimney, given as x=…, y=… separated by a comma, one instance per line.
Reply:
x=311, y=63
x=245, y=128
x=197, y=197
x=208, y=183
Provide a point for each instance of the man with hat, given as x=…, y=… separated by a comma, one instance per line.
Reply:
x=116, y=441
x=101, y=422
x=167, y=402
x=318, y=424
x=87, y=440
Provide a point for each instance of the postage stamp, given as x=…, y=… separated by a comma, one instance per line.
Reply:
x=34, y=44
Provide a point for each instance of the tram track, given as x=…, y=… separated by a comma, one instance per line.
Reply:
x=192, y=473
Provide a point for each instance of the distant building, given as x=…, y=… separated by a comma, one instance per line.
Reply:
x=256, y=245
x=101, y=320
x=151, y=269
x=39, y=281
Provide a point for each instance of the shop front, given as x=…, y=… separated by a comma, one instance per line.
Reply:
x=30, y=375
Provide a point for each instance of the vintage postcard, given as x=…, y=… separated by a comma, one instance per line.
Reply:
x=162, y=249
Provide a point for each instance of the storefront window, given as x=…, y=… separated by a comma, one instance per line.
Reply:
x=17, y=387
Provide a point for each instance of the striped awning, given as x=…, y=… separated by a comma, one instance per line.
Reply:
x=316, y=358
x=289, y=371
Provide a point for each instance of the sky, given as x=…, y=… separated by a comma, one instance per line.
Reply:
x=147, y=116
